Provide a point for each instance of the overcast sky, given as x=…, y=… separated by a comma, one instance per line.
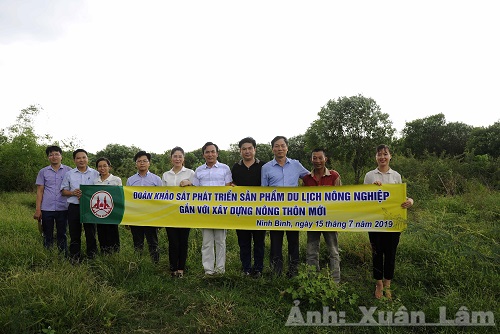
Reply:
x=157, y=74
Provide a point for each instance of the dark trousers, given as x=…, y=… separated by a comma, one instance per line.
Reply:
x=384, y=245
x=60, y=220
x=292, y=238
x=245, y=243
x=177, y=247
x=75, y=234
x=109, y=238
x=151, y=234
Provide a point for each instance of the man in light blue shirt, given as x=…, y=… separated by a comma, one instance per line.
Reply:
x=51, y=206
x=144, y=177
x=213, y=173
x=82, y=174
x=283, y=172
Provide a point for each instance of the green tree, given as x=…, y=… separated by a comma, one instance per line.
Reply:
x=21, y=156
x=485, y=140
x=158, y=164
x=455, y=138
x=433, y=135
x=297, y=150
x=349, y=129
x=199, y=157
x=233, y=155
x=264, y=152
x=424, y=135
x=3, y=137
x=191, y=161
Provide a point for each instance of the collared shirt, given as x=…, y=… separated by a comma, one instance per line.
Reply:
x=391, y=176
x=171, y=179
x=217, y=175
x=327, y=179
x=74, y=178
x=274, y=175
x=51, y=181
x=111, y=180
x=247, y=176
x=149, y=179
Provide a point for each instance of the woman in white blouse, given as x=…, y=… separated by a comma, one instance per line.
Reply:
x=108, y=235
x=177, y=236
x=384, y=244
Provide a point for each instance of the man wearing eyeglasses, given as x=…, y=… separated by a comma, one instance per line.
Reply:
x=51, y=205
x=144, y=177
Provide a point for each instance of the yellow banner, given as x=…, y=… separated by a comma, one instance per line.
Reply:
x=357, y=208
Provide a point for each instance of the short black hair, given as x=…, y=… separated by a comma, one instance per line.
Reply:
x=102, y=159
x=78, y=151
x=177, y=148
x=140, y=154
x=278, y=138
x=249, y=140
x=319, y=149
x=208, y=143
x=52, y=148
x=383, y=147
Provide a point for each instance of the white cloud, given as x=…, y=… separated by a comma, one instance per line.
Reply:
x=157, y=74
x=33, y=20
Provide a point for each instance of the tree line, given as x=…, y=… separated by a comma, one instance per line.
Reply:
x=435, y=156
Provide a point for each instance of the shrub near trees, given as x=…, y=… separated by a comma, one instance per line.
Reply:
x=485, y=140
x=433, y=135
x=349, y=128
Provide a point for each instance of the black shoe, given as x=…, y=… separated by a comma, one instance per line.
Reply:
x=257, y=274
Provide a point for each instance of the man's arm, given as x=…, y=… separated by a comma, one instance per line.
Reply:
x=338, y=182
x=302, y=170
x=39, y=197
x=66, y=188
x=264, y=182
x=69, y=193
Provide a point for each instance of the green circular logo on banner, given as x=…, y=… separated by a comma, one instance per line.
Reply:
x=101, y=204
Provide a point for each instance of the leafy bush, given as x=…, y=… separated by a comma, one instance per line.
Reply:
x=319, y=288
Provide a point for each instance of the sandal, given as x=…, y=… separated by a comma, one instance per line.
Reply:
x=388, y=293
x=379, y=292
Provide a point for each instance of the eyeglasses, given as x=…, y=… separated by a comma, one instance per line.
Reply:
x=142, y=161
x=54, y=154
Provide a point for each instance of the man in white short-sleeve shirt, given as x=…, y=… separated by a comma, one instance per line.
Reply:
x=213, y=173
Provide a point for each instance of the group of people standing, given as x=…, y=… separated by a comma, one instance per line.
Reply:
x=58, y=194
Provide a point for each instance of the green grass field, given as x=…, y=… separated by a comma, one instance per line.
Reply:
x=448, y=257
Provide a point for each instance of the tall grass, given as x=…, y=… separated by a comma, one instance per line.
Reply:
x=448, y=256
